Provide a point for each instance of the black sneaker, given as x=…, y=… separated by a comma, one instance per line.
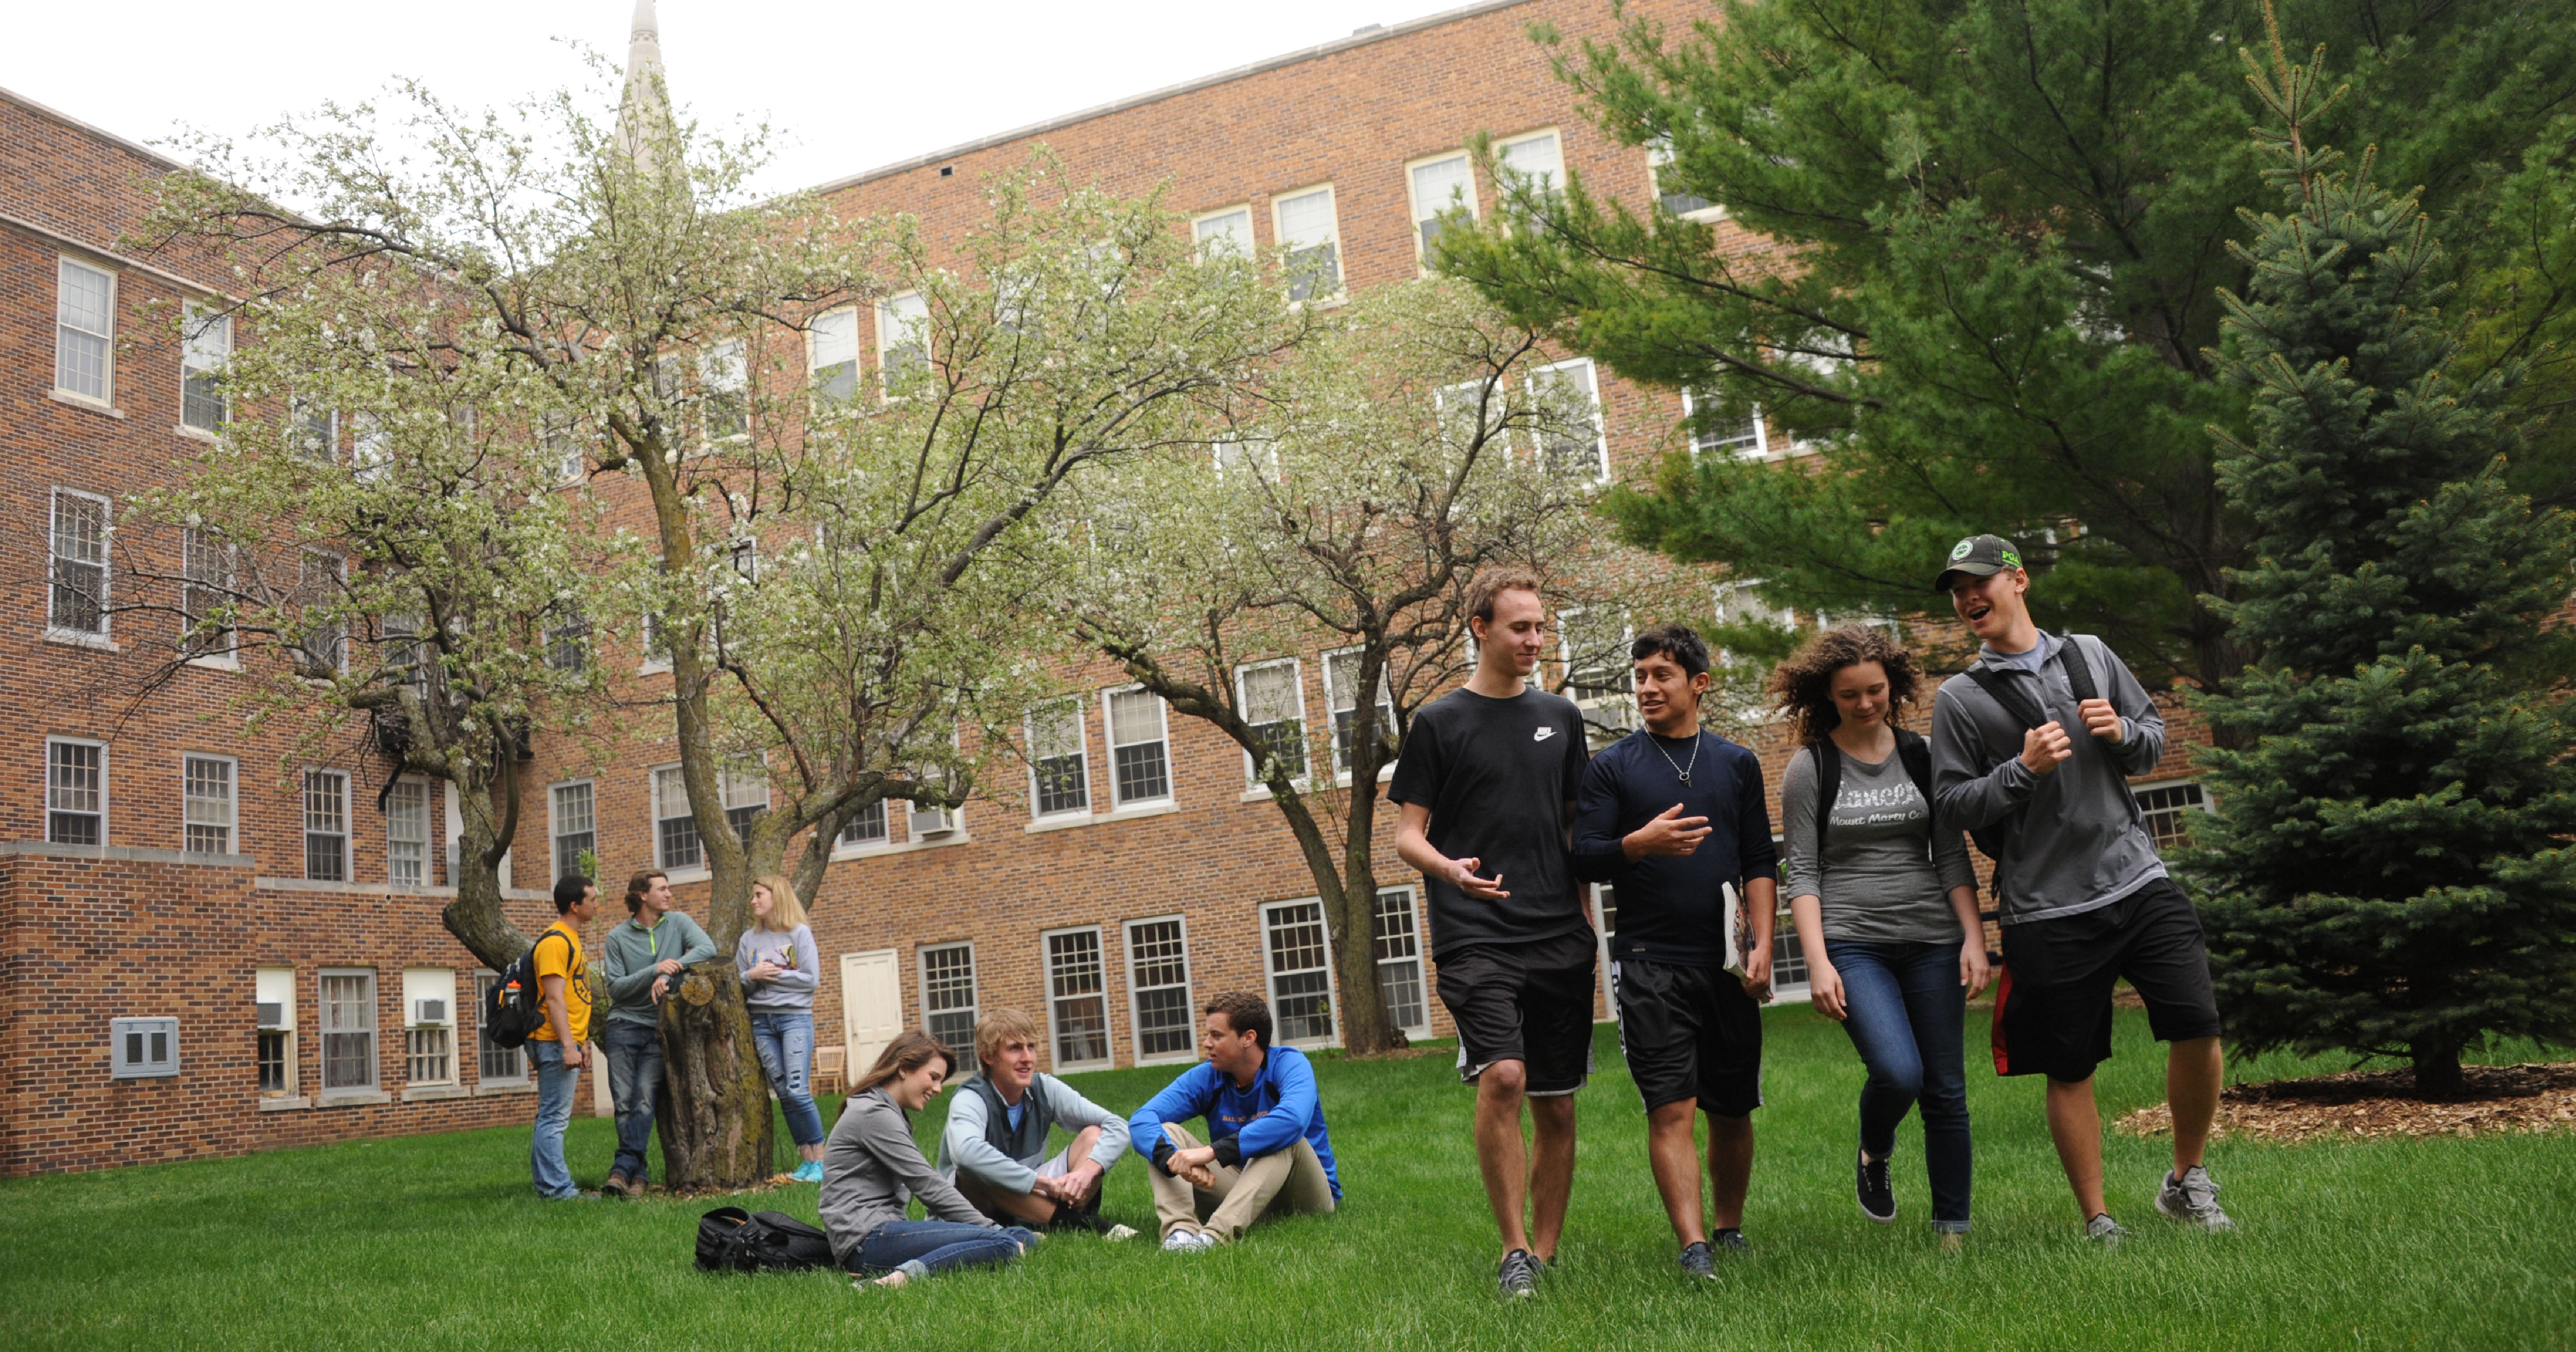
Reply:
x=1732, y=1240
x=1877, y=1199
x=1696, y=1261
x=1519, y=1276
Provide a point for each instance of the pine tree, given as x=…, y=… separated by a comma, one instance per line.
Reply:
x=2390, y=872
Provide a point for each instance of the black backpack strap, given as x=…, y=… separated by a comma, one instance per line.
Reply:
x=1829, y=786
x=2079, y=670
x=1916, y=751
x=2013, y=698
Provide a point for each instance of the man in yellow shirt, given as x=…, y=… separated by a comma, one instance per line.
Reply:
x=555, y=1049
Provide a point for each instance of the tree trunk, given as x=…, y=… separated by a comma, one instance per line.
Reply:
x=2437, y=1072
x=713, y=1108
x=1350, y=922
x=476, y=916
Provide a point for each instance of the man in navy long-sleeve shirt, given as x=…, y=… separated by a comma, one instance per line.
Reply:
x=1266, y=1151
x=1675, y=818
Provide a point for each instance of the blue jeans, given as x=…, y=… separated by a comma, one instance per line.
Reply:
x=785, y=1038
x=634, y=1053
x=924, y=1248
x=1907, y=1010
x=555, y=1084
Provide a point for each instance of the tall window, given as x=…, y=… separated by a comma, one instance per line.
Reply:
x=568, y=640
x=1788, y=955
x=1570, y=443
x=1398, y=946
x=407, y=659
x=371, y=447
x=1224, y=232
x=571, y=813
x=326, y=826
x=948, y=995
x=832, y=355
x=76, y=793
x=206, y=344
x=1077, y=999
x=1273, y=699
x=1535, y=162
x=1301, y=979
x=867, y=827
x=1139, y=759
x=1599, y=678
x=429, y=1008
x=84, y=331
x=207, y=804
x=322, y=635
x=205, y=593
x=903, y=338
x=727, y=382
x=274, y=991
x=1439, y=186
x=675, y=831
x=78, y=544
x=407, y=834
x=1158, y=988
x=746, y=796
x=2167, y=808
x=1744, y=438
x=314, y=433
x=497, y=1064
x=1308, y=229
x=1342, y=696
x=348, y=1030
x=1670, y=195
x=1059, y=769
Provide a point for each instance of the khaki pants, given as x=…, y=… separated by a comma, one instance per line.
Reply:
x=1282, y=1183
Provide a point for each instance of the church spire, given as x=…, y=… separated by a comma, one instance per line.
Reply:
x=644, y=112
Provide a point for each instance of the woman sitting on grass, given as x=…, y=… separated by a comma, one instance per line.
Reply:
x=779, y=969
x=871, y=1162
x=1885, y=903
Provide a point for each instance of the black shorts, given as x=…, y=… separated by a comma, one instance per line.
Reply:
x=2053, y=1006
x=1530, y=1003
x=1689, y=1032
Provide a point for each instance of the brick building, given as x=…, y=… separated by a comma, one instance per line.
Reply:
x=213, y=950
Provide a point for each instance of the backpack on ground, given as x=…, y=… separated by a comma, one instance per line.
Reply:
x=731, y=1239
x=515, y=1007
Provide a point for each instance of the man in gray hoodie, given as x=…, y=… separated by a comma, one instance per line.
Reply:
x=641, y=960
x=2083, y=896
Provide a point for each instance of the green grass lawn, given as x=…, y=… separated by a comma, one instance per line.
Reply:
x=436, y=1242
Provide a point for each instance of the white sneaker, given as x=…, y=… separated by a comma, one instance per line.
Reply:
x=1119, y=1234
x=1188, y=1241
x=2193, y=1197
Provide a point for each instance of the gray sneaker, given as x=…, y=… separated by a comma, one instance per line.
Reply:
x=1696, y=1263
x=1731, y=1240
x=2105, y=1231
x=2193, y=1197
x=1519, y=1276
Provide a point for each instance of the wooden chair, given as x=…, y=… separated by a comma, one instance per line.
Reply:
x=827, y=1069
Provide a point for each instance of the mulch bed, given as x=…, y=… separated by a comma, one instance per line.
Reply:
x=2382, y=1103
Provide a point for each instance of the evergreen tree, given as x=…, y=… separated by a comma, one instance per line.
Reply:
x=2390, y=872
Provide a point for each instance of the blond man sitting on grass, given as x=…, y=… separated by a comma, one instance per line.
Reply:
x=994, y=1147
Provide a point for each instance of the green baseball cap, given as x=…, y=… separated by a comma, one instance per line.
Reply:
x=1977, y=556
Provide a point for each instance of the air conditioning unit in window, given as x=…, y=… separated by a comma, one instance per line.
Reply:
x=429, y=1011
x=272, y=1016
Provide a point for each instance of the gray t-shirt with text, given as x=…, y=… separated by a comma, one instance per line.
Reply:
x=1877, y=884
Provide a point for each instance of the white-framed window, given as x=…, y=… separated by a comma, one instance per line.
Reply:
x=273, y=991
x=313, y=433
x=832, y=355
x=406, y=658
x=1077, y=997
x=1272, y=696
x=1592, y=646
x=1605, y=925
x=948, y=996
x=1140, y=760
x=206, y=345
x=2166, y=807
x=326, y=826
x=207, y=567
x=1535, y=160
x=1672, y=197
x=903, y=338
x=210, y=809
x=746, y=796
x=726, y=381
x=429, y=1033
x=143, y=1049
x=1395, y=937
x=1299, y=964
x=495, y=1064
x=568, y=640
x=1577, y=450
x=1059, y=760
x=407, y=834
x=348, y=1028
x=1745, y=439
x=76, y=602
x=866, y=827
x=572, y=819
x=1342, y=697
x=653, y=633
x=85, y=331
x=1439, y=185
x=1224, y=231
x=1788, y=954
x=1309, y=230
x=675, y=828
x=75, y=791
x=371, y=447
x=323, y=637
x=1158, y=989
x=557, y=429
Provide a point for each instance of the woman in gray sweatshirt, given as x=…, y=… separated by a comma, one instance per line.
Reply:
x=872, y=1168
x=1885, y=902
x=779, y=970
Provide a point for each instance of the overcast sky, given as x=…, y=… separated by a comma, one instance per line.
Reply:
x=847, y=86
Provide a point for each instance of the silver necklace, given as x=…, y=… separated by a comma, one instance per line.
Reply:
x=1682, y=770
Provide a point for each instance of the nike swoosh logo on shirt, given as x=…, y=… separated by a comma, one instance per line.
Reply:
x=1542, y=734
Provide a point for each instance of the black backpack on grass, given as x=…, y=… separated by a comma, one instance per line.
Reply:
x=731, y=1239
x=515, y=1007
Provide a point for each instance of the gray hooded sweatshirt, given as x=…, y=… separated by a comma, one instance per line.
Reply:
x=872, y=1168
x=2074, y=839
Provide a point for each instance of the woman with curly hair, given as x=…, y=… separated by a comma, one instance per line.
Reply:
x=1885, y=903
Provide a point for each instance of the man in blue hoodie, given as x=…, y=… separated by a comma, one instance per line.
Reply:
x=1266, y=1151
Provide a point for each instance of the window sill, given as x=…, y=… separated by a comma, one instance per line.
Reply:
x=216, y=663
x=196, y=434
x=1707, y=215
x=1148, y=1062
x=84, y=403
x=490, y=1088
x=1071, y=820
x=1384, y=773
x=654, y=669
x=284, y=1105
x=433, y=1093
x=129, y=853
x=899, y=847
x=1260, y=793
x=351, y=1098
x=73, y=638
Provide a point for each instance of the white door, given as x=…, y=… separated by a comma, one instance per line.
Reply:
x=871, y=1006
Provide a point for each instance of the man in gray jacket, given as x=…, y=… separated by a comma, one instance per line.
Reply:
x=994, y=1145
x=641, y=960
x=2083, y=896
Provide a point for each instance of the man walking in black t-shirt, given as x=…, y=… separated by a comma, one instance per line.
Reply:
x=1487, y=787
x=1676, y=817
